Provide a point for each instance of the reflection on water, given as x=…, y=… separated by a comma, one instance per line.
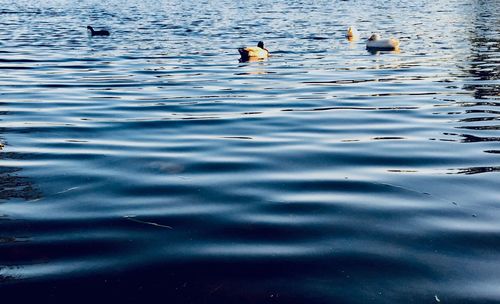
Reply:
x=476, y=170
x=12, y=184
x=151, y=164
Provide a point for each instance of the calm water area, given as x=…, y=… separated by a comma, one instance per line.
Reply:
x=151, y=166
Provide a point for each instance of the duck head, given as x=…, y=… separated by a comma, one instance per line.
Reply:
x=90, y=28
x=261, y=45
x=350, y=31
x=374, y=37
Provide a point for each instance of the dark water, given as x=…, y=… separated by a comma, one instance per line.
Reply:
x=152, y=166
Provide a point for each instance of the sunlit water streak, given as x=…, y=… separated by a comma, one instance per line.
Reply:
x=151, y=164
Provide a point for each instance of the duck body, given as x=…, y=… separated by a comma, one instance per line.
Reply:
x=97, y=33
x=351, y=34
x=375, y=43
x=254, y=52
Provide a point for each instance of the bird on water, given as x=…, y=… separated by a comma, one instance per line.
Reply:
x=351, y=34
x=376, y=43
x=97, y=33
x=254, y=52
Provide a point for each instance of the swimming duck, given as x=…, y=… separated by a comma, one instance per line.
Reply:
x=375, y=43
x=351, y=34
x=97, y=33
x=254, y=52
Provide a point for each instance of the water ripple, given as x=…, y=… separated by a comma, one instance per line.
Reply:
x=152, y=164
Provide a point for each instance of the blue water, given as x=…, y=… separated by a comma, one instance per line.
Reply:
x=152, y=165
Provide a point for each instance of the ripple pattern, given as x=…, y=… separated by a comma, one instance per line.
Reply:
x=152, y=165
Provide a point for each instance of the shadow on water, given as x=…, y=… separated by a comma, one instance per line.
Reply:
x=13, y=186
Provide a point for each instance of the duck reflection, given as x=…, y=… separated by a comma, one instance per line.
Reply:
x=251, y=59
x=257, y=66
x=374, y=51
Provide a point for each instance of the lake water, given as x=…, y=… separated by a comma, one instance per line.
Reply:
x=152, y=165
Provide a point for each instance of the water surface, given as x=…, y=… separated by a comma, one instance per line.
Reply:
x=153, y=165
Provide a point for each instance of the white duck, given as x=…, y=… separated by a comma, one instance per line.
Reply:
x=375, y=43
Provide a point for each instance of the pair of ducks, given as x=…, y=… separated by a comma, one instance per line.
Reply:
x=374, y=43
x=247, y=54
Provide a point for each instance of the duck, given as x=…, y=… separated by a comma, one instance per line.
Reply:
x=375, y=43
x=97, y=33
x=351, y=34
x=254, y=52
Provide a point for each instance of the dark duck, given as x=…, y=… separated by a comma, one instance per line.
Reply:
x=97, y=33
